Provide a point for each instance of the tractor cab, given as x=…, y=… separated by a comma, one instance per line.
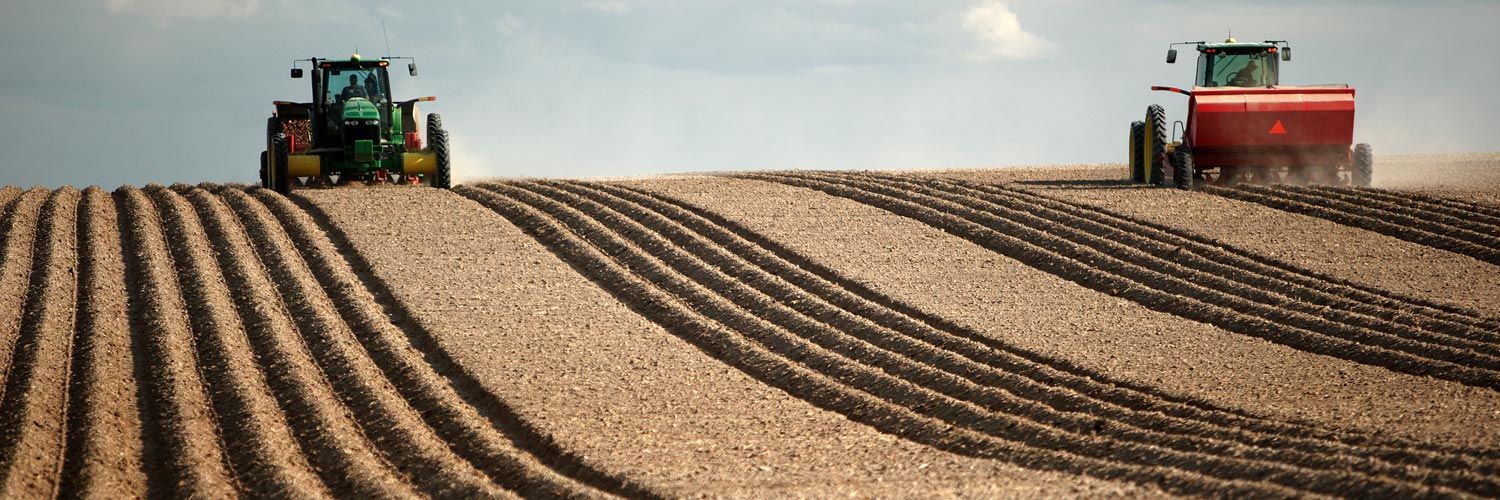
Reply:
x=351, y=102
x=1238, y=64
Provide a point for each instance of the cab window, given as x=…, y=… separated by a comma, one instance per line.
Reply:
x=342, y=84
x=1256, y=69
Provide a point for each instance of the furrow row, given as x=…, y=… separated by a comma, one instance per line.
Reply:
x=1448, y=206
x=257, y=439
x=1211, y=267
x=20, y=221
x=1160, y=290
x=1444, y=316
x=959, y=353
x=1435, y=235
x=858, y=298
x=395, y=427
x=950, y=377
x=32, y=422
x=328, y=435
x=479, y=426
x=104, y=455
x=1376, y=202
x=184, y=452
x=896, y=377
x=807, y=373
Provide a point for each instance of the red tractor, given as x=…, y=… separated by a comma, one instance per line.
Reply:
x=1243, y=126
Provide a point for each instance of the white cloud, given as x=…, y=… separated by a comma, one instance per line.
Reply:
x=608, y=7
x=188, y=9
x=1000, y=29
x=388, y=11
x=508, y=25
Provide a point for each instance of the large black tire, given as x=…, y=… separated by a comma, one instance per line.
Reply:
x=1182, y=168
x=273, y=128
x=1156, y=144
x=437, y=139
x=280, y=181
x=1137, y=164
x=1364, y=166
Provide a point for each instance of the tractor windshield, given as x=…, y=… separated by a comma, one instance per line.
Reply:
x=342, y=84
x=1226, y=69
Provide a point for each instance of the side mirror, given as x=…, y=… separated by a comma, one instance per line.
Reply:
x=411, y=69
x=1171, y=56
x=1286, y=53
x=296, y=72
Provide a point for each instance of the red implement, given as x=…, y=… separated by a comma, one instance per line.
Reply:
x=1282, y=126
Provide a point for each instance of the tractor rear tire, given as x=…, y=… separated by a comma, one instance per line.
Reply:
x=1137, y=165
x=273, y=128
x=280, y=181
x=1364, y=166
x=1156, y=144
x=1182, y=168
x=437, y=139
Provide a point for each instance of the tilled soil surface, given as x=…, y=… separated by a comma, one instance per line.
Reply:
x=1016, y=332
x=615, y=391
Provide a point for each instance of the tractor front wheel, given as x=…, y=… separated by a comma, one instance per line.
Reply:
x=1137, y=164
x=437, y=139
x=264, y=181
x=1156, y=145
x=1364, y=166
x=1182, y=168
x=279, y=179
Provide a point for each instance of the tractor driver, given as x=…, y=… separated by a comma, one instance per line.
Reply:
x=1246, y=76
x=372, y=88
x=354, y=89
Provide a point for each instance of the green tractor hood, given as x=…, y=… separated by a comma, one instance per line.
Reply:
x=360, y=108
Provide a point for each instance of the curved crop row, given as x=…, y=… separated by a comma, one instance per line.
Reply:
x=1365, y=212
x=1440, y=315
x=477, y=427
x=183, y=447
x=822, y=292
x=865, y=358
x=1229, y=271
x=1148, y=279
x=324, y=428
x=211, y=342
x=36, y=393
x=1438, y=204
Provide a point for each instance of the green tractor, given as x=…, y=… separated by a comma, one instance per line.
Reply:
x=352, y=131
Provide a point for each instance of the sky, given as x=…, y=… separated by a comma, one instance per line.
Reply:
x=111, y=92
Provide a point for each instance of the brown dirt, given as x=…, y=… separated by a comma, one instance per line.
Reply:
x=704, y=428
x=1017, y=303
x=1011, y=332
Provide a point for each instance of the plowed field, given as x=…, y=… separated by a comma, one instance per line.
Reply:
x=1003, y=333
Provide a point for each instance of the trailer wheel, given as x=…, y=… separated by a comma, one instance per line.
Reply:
x=1156, y=144
x=279, y=179
x=437, y=139
x=1364, y=165
x=1182, y=168
x=1137, y=164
